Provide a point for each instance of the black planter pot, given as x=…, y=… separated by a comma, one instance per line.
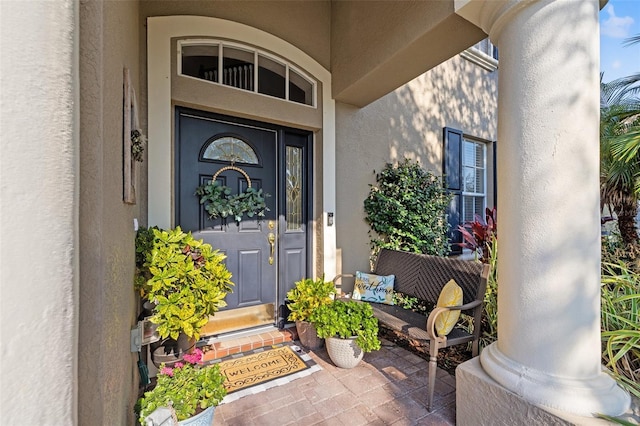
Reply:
x=170, y=351
x=308, y=335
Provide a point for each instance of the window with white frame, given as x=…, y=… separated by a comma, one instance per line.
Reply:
x=474, y=175
x=246, y=68
x=465, y=166
x=483, y=53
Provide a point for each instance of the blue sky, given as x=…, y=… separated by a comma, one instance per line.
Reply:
x=619, y=19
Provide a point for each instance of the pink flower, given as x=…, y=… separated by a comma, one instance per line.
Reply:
x=167, y=370
x=178, y=364
x=194, y=358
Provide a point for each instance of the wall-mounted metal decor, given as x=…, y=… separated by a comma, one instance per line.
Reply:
x=132, y=141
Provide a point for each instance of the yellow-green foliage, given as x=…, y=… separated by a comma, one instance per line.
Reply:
x=345, y=319
x=188, y=283
x=307, y=296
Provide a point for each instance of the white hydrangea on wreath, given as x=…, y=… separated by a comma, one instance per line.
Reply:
x=219, y=201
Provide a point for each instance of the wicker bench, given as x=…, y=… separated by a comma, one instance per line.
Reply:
x=424, y=276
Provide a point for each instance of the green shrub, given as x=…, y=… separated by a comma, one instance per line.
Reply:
x=620, y=316
x=307, y=296
x=188, y=283
x=490, y=309
x=347, y=319
x=406, y=210
x=489, y=324
x=143, y=246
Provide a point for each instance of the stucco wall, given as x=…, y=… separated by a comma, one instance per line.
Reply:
x=405, y=123
x=38, y=212
x=376, y=46
x=305, y=24
x=109, y=33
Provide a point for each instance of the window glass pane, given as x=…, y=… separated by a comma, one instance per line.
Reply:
x=300, y=89
x=237, y=68
x=230, y=149
x=467, y=208
x=294, y=188
x=469, y=154
x=479, y=155
x=271, y=77
x=200, y=61
x=469, y=178
x=479, y=180
x=471, y=206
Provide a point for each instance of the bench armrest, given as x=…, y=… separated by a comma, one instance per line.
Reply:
x=431, y=320
x=339, y=287
x=339, y=276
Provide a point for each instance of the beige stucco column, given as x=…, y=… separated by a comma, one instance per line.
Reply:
x=548, y=348
x=38, y=212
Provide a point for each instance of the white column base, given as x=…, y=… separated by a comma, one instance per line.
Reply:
x=584, y=397
x=480, y=400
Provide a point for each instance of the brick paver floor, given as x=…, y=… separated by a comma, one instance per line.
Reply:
x=389, y=387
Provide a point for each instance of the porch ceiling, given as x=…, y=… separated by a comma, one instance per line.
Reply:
x=377, y=46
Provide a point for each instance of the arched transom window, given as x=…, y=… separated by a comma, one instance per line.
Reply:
x=245, y=68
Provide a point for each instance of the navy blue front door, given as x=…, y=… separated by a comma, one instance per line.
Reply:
x=267, y=255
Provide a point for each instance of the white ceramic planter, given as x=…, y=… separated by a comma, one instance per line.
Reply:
x=344, y=352
x=162, y=415
x=203, y=419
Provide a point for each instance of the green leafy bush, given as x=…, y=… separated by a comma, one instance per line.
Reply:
x=219, y=201
x=620, y=316
x=189, y=282
x=412, y=303
x=490, y=308
x=185, y=387
x=307, y=296
x=143, y=246
x=346, y=319
x=406, y=210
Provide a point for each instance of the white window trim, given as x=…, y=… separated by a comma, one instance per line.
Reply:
x=480, y=58
x=160, y=31
x=484, y=194
x=256, y=52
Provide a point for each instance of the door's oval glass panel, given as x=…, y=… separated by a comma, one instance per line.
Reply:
x=237, y=68
x=200, y=61
x=300, y=88
x=294, y=188
x=271, y=77
x=233, y=150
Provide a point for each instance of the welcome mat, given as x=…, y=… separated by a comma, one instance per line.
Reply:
x=258, y=370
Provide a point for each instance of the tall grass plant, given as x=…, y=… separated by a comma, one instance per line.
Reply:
x=620, y=322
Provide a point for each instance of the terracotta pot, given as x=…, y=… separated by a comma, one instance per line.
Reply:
x=308, y=335
x=344, y=352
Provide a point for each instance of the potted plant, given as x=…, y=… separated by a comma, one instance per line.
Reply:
x=304, y=299
x=188, y=391
x=350, y=329
x=187, y=282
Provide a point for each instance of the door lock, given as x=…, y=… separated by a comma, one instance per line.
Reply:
x=272, y=242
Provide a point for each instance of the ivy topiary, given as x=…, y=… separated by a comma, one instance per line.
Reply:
x=406, y=210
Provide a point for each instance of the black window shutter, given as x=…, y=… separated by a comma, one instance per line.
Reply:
x=452, y=171
x=495, y=174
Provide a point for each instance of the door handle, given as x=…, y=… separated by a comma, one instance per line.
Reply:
x=272, y=242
